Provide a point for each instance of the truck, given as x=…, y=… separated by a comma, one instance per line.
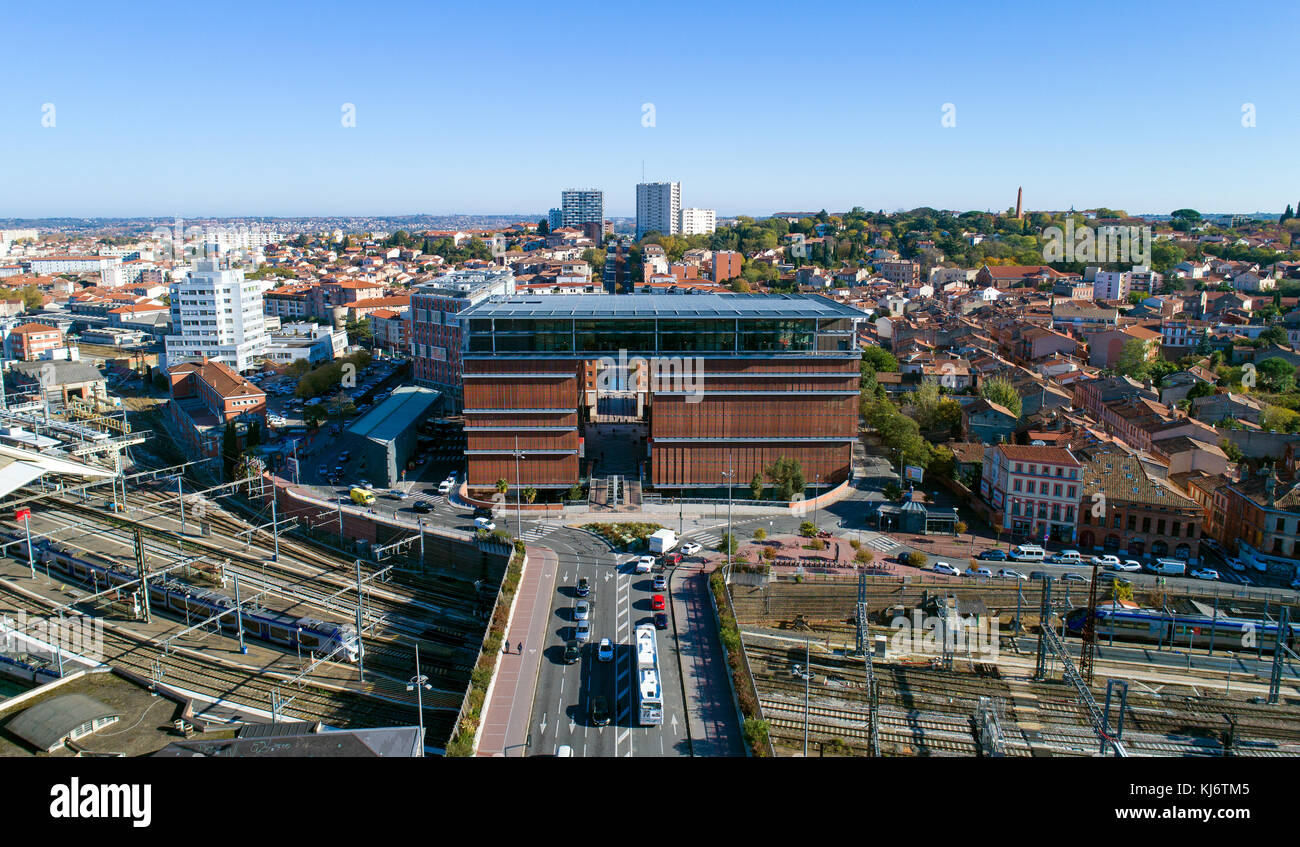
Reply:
x=662, y=541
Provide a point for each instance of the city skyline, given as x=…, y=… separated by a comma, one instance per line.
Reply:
x=1009, y=102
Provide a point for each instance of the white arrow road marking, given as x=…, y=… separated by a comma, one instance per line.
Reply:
x=674, y=723
x=542, y=725
x=572, y=724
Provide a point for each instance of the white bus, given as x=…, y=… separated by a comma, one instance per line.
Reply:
x=650, y=697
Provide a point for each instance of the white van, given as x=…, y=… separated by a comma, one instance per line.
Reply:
x=1168, y=567
x=1028, y=553
x=1068, y=557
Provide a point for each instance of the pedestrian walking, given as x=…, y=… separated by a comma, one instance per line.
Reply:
x=521, y=647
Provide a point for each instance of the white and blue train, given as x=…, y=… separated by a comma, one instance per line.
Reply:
x=178, y=598
x=1156, y=626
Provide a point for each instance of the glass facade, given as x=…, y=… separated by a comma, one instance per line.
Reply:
x=659, y=335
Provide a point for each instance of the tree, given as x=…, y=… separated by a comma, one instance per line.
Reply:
x=760, y=534
x=1132, y=360
x=787, y=475
x=808, y=529
x=756, y=486
x=575, y=492
x=727, y=544
x=254, y=436
x=1000, y=391
x=530, y=494
x=502, y=486
x=229, y=451
x=1276, y=375
x=544, y=227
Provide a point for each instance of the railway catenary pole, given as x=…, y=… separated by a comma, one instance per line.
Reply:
x=361, y=648
x=340, y=508
x=27, y=524
x=239, y=618
x=807, y=677
x=419, y=682
x=1214, y=622
x=275, y=527
x=180, y=498
x=419, y=522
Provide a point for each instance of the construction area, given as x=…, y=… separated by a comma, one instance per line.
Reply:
x=929, y=666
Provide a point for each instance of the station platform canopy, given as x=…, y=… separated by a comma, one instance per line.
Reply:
x=19, y=467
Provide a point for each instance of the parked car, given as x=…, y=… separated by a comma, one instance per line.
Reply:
x=581, y=610
x=980, y=571
x=1129, y=565
x=605, y=651
x=582, y=631
x=1109, y=578
x=1008, y=573
x=1236, y=564
x=1205, y=573
x=690, y=548
x=1106, y=561
x=1074, y=577
x=945, y=568
x=993, y=555
x=1038, y=574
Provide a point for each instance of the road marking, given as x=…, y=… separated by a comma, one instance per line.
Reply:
x=542, y=725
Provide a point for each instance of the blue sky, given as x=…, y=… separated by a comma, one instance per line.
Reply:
x=235, y=108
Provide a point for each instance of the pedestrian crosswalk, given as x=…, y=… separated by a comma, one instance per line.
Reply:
x=882, y=543
x=540, y=531
x=707, y=540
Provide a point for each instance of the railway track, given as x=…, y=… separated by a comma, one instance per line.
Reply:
x=380, y=703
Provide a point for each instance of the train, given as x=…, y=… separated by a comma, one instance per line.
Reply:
x=178, y=598
x=1156, y=626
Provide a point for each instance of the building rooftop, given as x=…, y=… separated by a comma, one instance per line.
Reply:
x=663, y=305
x=390, y=418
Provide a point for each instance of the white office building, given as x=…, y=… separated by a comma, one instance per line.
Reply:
x=658, y=208
x=217, y=313
x=698, y=222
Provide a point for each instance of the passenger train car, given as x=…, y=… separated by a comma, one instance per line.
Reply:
x=1155, y=626
x=167, y=594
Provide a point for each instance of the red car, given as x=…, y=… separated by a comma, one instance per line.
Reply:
x=657, y=603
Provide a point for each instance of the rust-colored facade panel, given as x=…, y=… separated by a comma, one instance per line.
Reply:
x=506, y=393
x=545, y=470
x=702, y=464
x=740, y=416
x=504, y=440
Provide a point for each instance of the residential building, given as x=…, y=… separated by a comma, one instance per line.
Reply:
x=217, y=314
x=1112, y=285
x=1129, y=513
x=901, y=272
x=698, y=222
x=1261, y=522
x=436, y=329
x=658, y=208
x=1033, y=491
x=205, y=395
x=580, y=206
x=28, y=341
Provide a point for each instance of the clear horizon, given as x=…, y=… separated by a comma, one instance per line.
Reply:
x=241, y=112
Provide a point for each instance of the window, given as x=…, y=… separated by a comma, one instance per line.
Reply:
x=1031, y=486
x=1070, y=492
x=1056, y=490
x=1015, y=485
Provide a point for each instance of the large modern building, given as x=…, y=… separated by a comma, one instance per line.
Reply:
x=580, y=206
x=691, y=392
x=217, y=314
x=386, y=437
x=436, y=340
x=658, y=208
x=698, y=222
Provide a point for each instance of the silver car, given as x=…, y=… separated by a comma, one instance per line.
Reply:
x=581, y=610
x=582, y=631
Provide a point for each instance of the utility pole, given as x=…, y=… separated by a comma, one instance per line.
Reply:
x=144, y=575
x=180, y=495
x=340, y=508
x=25, y=515
x=419, y=522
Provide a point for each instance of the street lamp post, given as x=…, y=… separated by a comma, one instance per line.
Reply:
x=730, y=475
x=420, y=683
x=518, y=497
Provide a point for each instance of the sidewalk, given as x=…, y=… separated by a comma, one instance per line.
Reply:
x=507, y=714
x=711, y=714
